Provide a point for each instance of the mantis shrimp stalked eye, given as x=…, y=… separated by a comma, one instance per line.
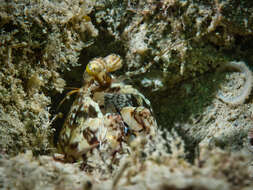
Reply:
x=95, y=66
x=100, y=68
x=113, y=63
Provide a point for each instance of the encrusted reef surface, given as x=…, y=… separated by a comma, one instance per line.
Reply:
x=172, y=52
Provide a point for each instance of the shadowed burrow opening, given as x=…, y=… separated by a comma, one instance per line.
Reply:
x=187, y=102
x=102, y=46
x=175, y=106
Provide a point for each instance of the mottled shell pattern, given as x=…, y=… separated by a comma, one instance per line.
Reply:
x=104, y=122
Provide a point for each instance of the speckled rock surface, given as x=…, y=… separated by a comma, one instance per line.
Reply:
x=38, y=41
x=214, y=169
x=170, y=49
